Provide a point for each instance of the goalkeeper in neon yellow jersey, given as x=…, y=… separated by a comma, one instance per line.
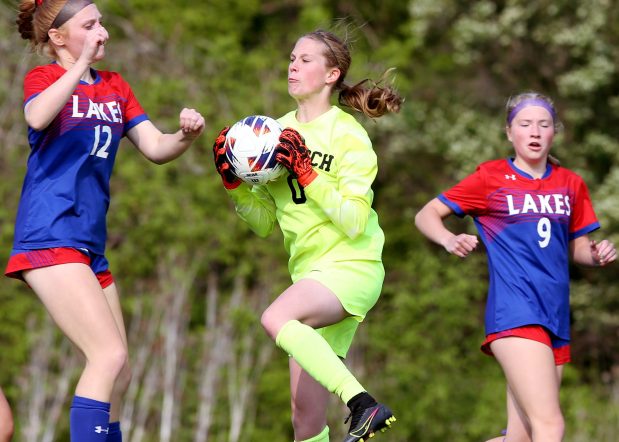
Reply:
x=330, y=231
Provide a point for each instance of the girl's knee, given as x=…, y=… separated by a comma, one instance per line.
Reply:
x=109, y=362
x=554, y=420
x=269, y=323
x=124, y=379
x=119, y=358
x=558, y=426
x=549, y=427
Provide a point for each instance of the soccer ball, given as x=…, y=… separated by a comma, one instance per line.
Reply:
x=250, y=149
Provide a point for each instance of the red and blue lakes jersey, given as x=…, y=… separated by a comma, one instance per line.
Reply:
x=66, y=194
x=526, y=225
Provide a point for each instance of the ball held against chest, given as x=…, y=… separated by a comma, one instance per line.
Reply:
x=250, y=149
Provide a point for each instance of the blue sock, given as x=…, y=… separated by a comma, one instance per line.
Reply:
x=89, y=420
x=114, y=434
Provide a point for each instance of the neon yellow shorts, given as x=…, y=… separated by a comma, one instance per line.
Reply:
x=357, y=284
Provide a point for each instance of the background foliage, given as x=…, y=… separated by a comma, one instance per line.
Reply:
x=194, y=279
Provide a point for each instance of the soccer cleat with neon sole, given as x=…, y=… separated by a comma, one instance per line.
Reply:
x=365, y=423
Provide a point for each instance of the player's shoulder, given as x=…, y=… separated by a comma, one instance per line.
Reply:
x=563, y=171
x=561, y=174
x=500, y=163
x=494, y=166
x=47, y=70
x=345, y=118
x=43, y=68
x=109, y=74
x=346, y=126
x=111, y=77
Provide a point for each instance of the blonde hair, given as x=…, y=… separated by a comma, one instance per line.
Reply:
x=374, y=100
x=515, y=100
x=34, y=22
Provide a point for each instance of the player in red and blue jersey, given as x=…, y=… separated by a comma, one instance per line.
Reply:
x=532, y=215
x=76, y=117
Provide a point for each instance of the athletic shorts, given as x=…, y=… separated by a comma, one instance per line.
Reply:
x=21, y=260
x=560, y=347
x=357, y=284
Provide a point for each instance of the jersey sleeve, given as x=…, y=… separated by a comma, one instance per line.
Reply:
x=36, y=81
x=468, y=197
x=348, y=205
x=255, y=206
x=583, y=219
x=134, y=113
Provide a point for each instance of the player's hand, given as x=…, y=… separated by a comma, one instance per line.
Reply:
x=191, y=123
x=294, y=155
x=94, y=45
x=603, y=252
x=222, y=164
x=461, y=245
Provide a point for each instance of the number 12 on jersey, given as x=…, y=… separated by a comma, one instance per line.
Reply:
x=103, y=139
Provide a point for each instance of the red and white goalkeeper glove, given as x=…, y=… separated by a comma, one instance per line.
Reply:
x=230, y=180
x=294, y=155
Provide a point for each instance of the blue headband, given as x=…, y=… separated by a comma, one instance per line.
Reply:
x=531, y=102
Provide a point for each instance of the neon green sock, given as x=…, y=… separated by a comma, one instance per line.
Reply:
x=323, y=436
x=316, y=357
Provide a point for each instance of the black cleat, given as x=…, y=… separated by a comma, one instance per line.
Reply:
x=367, y=421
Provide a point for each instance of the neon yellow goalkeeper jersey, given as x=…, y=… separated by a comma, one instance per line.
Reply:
x=331, y=219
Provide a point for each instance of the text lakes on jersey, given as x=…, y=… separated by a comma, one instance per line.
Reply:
x=98, y=110
x=554, y=203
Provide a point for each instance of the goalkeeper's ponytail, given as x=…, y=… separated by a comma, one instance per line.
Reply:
x=373, y=99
